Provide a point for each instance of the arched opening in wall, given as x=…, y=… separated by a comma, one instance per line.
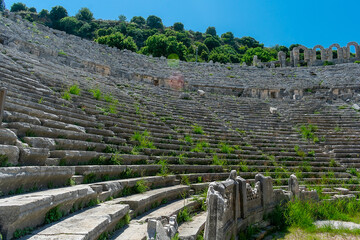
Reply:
x=318, y=53
x=334, y=52
x=352, y=51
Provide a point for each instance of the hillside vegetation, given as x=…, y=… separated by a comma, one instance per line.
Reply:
x=150, y=37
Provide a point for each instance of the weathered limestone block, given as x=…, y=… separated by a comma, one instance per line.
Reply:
x=41, y=142
x=33, y=156
x=294, y=187
x=11, y=152
x=12, y=178
x=20, y=117
x=2, y=103
x=7, y=137
x=267, y=191
x=157, y=231
x=216, y=202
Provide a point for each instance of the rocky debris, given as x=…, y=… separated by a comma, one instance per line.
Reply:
x=337, y=224
x=157, y=230
x=185, y=96
x=273, y=110
x=356, y=107
x=201, y=93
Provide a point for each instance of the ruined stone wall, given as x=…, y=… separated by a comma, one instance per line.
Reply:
x=233, y=205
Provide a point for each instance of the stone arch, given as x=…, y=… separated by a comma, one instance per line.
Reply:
x=296, y=54
x=322, y=52
x=357, y=50
x=339, y=51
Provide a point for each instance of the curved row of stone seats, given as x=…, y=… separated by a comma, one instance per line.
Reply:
x=137, y=229
x=29, y=210
x=88, y=224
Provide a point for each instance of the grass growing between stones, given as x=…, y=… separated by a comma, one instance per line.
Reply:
x=300, y=216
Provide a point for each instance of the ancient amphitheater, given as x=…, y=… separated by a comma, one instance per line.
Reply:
x=98, y=143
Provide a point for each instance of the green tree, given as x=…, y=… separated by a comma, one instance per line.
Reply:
x=211, y=31
x=201, y=48
x=69, y=24
x=44, y=13
x=17, y=7
x=224, y=54
x=249, y=42
x=2, y=6
x=122, y=18
x=85, y=15
x=157, y=45
x=138, y=20
x=228, y=38
x=154, y=22
x=178, y=26
x=32, y=9
x=117, y=40
x=103, y=32
x=85, y=31
x=184, y=38
x=57, y=13
x=264, y=54
x=198, y=36
x=212, y=42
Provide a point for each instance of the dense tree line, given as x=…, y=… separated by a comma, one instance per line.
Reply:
x=149, y=36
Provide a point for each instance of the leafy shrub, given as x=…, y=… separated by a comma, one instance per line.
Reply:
x=327, y=63
x=184, y=216
x=197, y=129
x=3, y=160
x=53, y=215
x=74, y=89
x=96, y=93
x=140, y=186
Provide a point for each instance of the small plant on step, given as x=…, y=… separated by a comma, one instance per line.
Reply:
x=53, y=215
x=185, y=180
x=218, y=161
x=197, y=129
x=184, y=216
x=96, y=93
x=140, y=186
x=74, y=89
x=4, y=160
x=164, y=170
x=226, y=148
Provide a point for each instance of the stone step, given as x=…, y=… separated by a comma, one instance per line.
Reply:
x=68, y=144
x=19, y=179
x=29, y=210
x=88, y=224
x=26, y=129
x=190, y=230
x=143, y=202
x=117, y=171
x=137, y=228
x=70, y=157
x=114, y=188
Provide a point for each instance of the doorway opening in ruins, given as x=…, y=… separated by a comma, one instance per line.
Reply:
x=352, y=50
x=334, y=52
x=318, y=54
x=156, y=82
x=273, y=94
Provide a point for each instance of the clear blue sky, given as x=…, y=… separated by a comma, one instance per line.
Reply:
x=308, y=22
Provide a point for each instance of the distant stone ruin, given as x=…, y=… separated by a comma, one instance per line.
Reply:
x=312, y=58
